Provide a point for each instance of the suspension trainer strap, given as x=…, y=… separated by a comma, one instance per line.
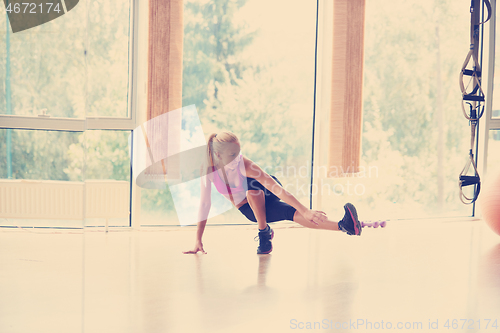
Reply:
x=474, y=98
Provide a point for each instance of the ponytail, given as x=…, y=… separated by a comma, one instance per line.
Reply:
x=210, y=152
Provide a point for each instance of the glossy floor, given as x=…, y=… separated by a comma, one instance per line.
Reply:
x=411, y=276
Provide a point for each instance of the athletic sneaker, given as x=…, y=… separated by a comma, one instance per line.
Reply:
x=350, y=223
x=265, y=237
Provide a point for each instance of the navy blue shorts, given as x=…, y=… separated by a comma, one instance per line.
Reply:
x=276, y=210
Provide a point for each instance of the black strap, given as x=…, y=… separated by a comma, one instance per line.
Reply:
x=469, y=180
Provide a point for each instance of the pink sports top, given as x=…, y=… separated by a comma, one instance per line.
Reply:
x=222, y=187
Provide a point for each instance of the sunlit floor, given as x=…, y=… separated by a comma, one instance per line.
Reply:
x=417, y=275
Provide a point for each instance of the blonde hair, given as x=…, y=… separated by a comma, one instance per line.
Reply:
x=217, y=143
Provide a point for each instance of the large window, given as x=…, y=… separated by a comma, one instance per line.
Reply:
x=248, y=67
x=65, y=96
x=414, y=130
x=415, y=138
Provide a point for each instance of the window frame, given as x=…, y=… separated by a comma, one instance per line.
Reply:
x=489, y=122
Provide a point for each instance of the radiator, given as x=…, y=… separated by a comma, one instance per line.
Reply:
x=28, y=199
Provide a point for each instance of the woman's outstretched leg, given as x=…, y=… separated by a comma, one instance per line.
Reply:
x=349, y=223
x=327, y=225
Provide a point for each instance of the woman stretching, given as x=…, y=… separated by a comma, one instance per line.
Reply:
x=257, y=195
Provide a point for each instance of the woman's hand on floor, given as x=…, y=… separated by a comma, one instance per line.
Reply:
x=198, y=247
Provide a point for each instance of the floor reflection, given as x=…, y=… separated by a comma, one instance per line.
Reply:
x=140, y=282
x=262, y=271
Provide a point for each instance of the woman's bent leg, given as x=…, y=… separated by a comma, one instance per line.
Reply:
x=257, y=201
